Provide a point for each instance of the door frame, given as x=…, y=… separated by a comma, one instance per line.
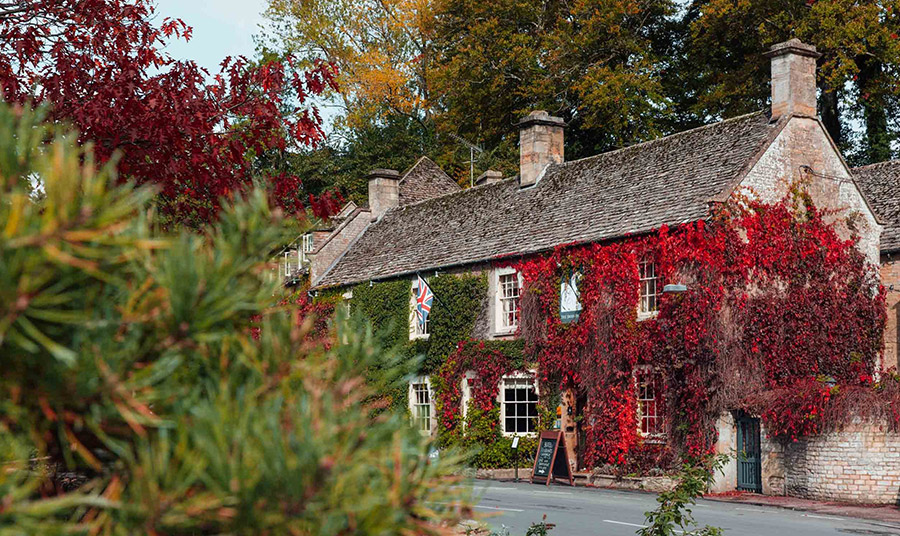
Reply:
x=748, y=467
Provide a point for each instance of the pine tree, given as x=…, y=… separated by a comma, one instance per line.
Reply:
x=152, y=385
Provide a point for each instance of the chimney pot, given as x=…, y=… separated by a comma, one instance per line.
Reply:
x=384, y=191
x=793, y=78
x=540, y=144
x=489, y=177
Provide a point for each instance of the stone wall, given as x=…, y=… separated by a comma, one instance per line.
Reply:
x=890, y=278
x=803, y=142
x=858, y=464
x=330, y=249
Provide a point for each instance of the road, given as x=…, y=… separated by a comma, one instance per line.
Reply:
x=595, y=512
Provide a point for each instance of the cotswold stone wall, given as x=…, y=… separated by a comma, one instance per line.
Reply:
x=858, y=464
x=890, y=278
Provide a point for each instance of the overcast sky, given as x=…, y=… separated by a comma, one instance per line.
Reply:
x=221, y=28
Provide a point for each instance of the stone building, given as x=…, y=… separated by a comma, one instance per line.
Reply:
x=422, y=223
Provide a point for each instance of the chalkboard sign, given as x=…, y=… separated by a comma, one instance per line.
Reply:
x=551, y=460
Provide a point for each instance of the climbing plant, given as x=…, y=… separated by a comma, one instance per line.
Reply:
x=776, y=298
x=388, y=306
x=480, y=430
x=783, y=317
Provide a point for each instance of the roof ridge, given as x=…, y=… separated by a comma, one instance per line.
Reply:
x=886, y=162
x=667, y=137
x=414, y=166
x=458, y=192
x=642, y=144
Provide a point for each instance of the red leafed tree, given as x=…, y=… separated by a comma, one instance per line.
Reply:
x=101, y=66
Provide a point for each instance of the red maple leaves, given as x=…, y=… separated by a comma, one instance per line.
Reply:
x=102, y=67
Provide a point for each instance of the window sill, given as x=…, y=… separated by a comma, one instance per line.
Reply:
x=656, y=439
x=647, y=316
x=419, y=337
x=505, y=332
x=519, y=434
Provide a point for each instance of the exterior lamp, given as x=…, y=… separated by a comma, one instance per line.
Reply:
x=674, y=289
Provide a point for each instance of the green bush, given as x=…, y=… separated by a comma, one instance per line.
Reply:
x=154, y=378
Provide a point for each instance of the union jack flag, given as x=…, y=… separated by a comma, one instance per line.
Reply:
x=424, y=297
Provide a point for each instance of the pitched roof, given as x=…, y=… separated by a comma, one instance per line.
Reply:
x=880, y=184
x=632, y=190
x=425, y=180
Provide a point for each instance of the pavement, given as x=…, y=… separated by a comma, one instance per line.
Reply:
x=593, y=511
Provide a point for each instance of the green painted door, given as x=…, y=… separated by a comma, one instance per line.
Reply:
x=749, y=474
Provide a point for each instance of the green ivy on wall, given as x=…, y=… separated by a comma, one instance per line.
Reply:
x=458, y=300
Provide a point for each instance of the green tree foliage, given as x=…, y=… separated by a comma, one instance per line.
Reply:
x=595, y=63
x=349, y=154
x=150, y=385
x=474, y=69
x=723, y=72
x=618, y=72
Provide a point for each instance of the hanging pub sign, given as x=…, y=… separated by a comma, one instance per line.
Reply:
x=551, y=461
x=569, y=303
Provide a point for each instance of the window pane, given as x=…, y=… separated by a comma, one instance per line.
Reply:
x=519, y=405
x=509, y=300
x=651, y=421
x=648, y=285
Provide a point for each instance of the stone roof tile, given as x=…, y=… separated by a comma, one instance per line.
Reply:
x=425, y=180
x=632, y=190
x=880, y=183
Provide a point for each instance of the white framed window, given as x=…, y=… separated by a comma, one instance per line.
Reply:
x=421, y=405
x=416, y=329
x=518, y=404
x=570, y=296
x=649, y=286
x=345, y=301
x=509, y=287
x=651, y=421
x=306, y=246
x=290, y=261
x=465, y=386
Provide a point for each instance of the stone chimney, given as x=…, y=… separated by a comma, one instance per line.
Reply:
x=384, y=191
x=489, y=177
x=540, y=144
x=793, y=78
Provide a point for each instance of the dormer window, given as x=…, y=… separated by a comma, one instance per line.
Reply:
x=649, y=286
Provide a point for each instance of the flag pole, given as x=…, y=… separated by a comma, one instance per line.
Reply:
x=436, y=298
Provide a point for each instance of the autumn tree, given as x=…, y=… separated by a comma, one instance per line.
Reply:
x=102, y=66
x=382, y=48
x=725, y=74
x=474, y=69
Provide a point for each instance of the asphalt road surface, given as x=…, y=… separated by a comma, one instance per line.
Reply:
x=594, y=512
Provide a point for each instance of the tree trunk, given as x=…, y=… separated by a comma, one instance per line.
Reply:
x=877, y=146
x=830, y=114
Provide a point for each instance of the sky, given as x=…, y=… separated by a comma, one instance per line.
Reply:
x=221, y=28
